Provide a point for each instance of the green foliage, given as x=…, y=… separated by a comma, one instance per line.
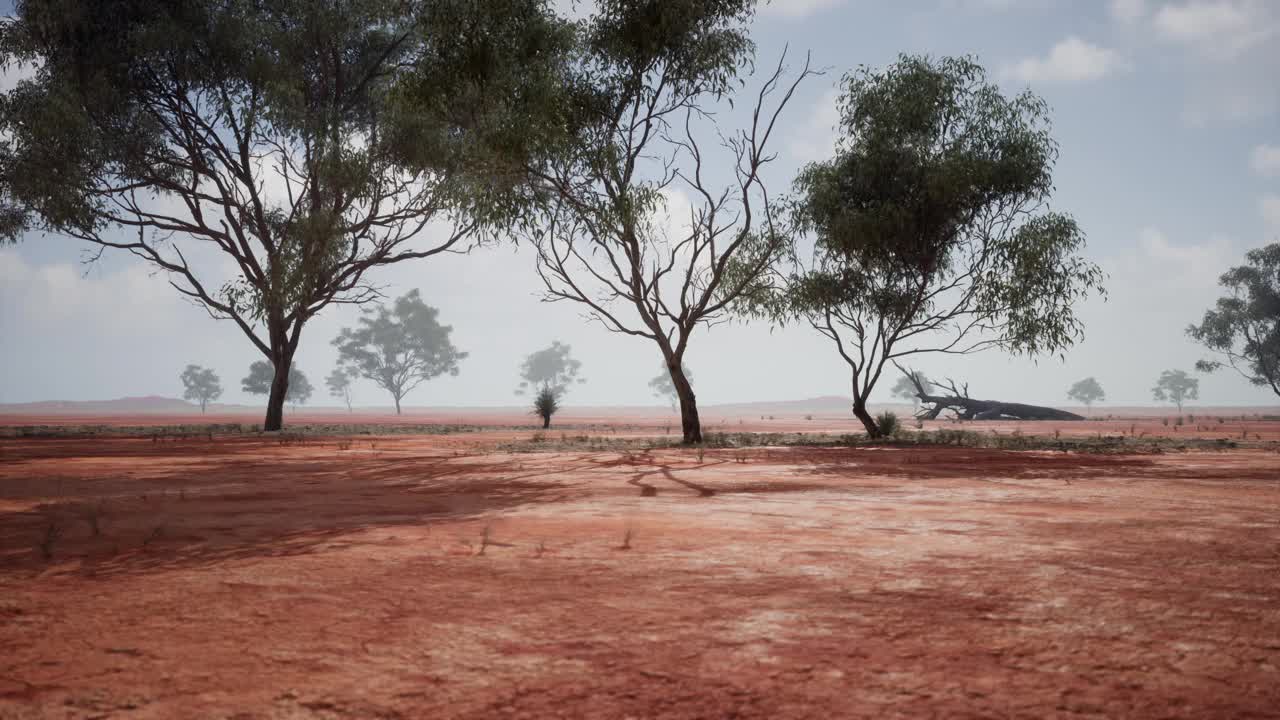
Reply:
x=1087, y=391
x=545, y=404
x=261, y=373
x=1244, y=326
x=399, y=348
x=640, y=127
x=888, y=423
x=339, y=384
x=201, y=385
x=1176, y=386
x=306, y=142
x=552, y=367
x=930, y=225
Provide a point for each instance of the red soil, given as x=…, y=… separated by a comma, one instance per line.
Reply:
x=431, y=577
x=1203, y=423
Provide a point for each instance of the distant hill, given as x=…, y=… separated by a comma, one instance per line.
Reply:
x=119, y=406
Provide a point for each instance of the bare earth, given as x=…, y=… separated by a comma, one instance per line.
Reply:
x=417, y=576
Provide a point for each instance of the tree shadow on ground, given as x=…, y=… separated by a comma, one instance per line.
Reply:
x=208, y=513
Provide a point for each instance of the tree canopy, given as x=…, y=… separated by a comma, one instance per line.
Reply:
x=931, y=226
x=1177, y=387
x=339, y=384
x=201, y=385
x=400, y=347
x=1087, y=391
x=553, y=368
x=642, y=137
x=306, y=143
x=260, y=378
x=1243, y=328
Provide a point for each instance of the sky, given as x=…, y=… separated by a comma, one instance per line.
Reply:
x=1168, y=118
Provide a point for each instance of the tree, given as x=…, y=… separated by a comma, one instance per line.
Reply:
x=552, y=367
x=638, y=108
x=202, y=385
x=931, y=227
x=261, y=380
x=968, y=408
x=400, y=348
x=662, y=386
x=1087, y=391
x=906, y=388
x=549, y=373
x=1176, y=386
x=1244, y=327
x=545, y=404
x=339, y=384
x=306, y=143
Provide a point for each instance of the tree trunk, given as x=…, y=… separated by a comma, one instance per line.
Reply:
x=546, y=421
x=397, y=397
x=279, y=389
x=202, y=404
x=690, y=425
x=868, y=422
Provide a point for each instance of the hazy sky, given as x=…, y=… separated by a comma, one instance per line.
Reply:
x=1168, y=115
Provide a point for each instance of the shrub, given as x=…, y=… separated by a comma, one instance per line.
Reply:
x=888, y=423
x=545, y=404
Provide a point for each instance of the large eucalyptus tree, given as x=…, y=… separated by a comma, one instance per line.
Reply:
x=639, y=108
x=932, y=227
x=300, y=144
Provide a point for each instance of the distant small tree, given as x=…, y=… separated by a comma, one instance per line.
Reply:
x=202, y=385
x=906, y=390
x=545, y=404
x=1087, y=391
x=662, y=386
x=261, y=375
x=399, y=348
x=339, y=383
x=1244, y=327
x=549, y=373
x=1176, y=386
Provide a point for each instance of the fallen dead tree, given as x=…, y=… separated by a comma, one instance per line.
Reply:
x=967, y=408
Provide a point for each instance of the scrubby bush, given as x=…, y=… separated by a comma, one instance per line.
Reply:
x=545, y=404
x=888, y=423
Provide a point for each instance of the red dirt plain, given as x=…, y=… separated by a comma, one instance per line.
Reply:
x=436, y=577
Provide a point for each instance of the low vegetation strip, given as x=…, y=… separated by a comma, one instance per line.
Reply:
x=1117, y=444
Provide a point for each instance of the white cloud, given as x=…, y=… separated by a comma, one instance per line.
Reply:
x=1182, y=265
x=1269, y=206
x=10, y=77
x=798, y=8
x=1265, y=160
x=992, y=5
x=1128, y=11
x=1070, y=61
x=1220, y=29
x=814, y=139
